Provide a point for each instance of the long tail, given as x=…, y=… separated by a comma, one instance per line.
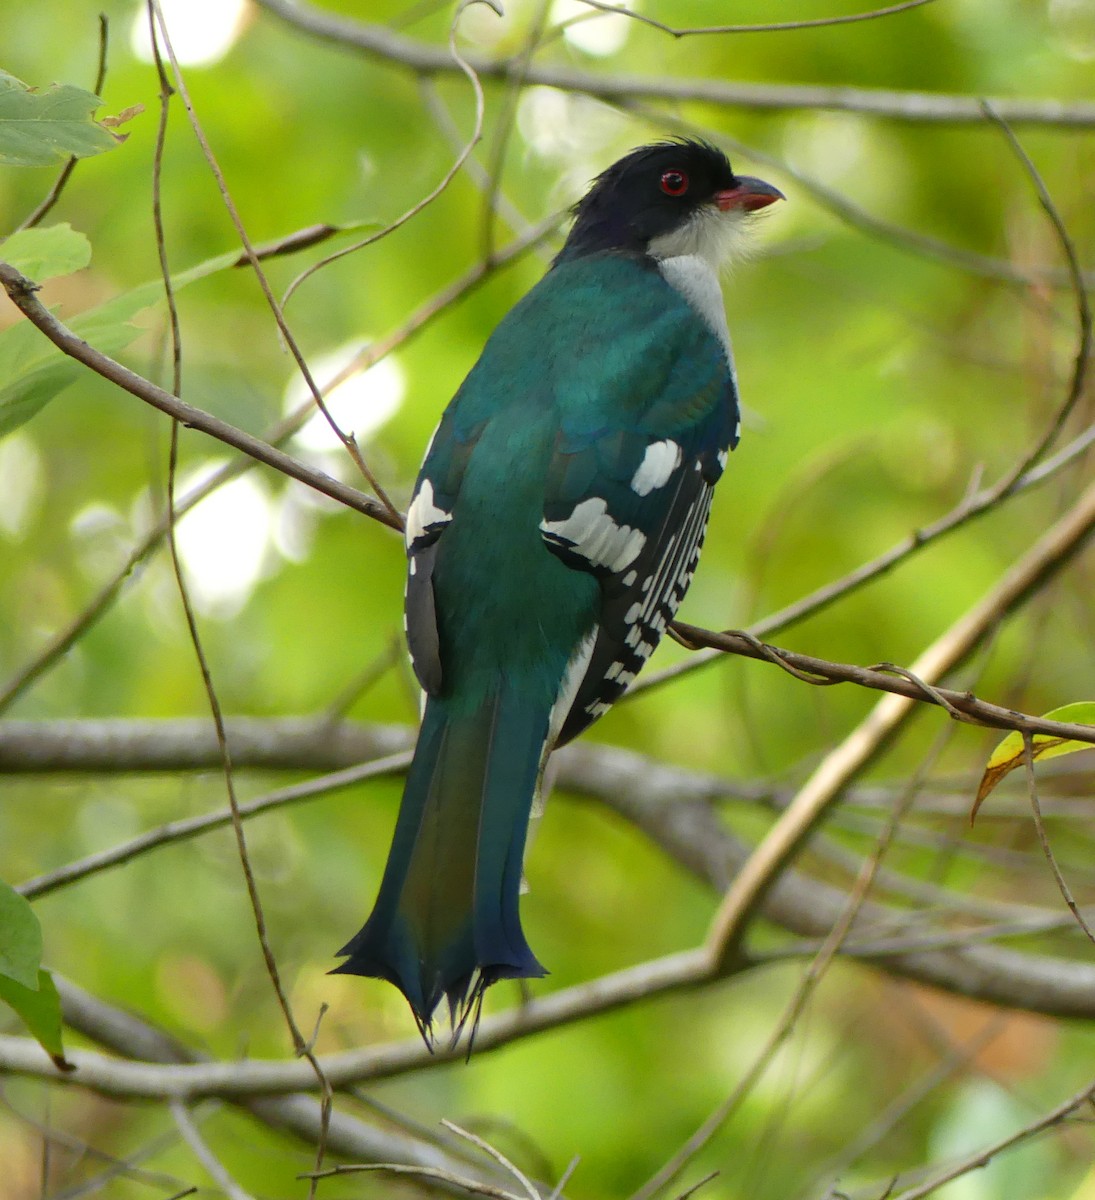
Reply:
x=446, y=922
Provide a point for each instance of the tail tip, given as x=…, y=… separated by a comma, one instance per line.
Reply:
x=463, y=996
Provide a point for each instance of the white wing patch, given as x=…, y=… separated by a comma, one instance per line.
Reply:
x=423, y=516
x=659, y=462
x=592, y=534
x=568, y=689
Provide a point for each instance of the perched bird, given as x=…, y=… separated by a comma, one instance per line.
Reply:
x=553, y=531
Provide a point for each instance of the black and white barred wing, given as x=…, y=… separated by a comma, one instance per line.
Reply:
x=639, y=526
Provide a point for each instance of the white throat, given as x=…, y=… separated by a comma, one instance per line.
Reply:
x=694, y=278
x=719, y=238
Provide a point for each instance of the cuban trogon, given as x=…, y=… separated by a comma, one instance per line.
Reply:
x=552, y=533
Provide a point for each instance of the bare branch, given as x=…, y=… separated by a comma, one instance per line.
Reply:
x=22, y=293
x=770, y=27
x=177, y=831
x=379, y=42
x=1049, y=554
x=200, y=1148
x=415, y=323
x=984, y=1156
x=189, y=744
x=885, y=677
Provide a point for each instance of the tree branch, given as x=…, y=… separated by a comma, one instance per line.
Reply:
x=671, y=806
x=1049, y=554
x=22, y=293
x=190, y=744
x=298, y=1115
x=310, y=743
x=768, y=27
x=378, y=42
x=962, y=706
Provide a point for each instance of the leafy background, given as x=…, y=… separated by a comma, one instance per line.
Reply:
x=878, y=382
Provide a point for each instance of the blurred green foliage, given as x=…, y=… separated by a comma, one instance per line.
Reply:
x=878, y=382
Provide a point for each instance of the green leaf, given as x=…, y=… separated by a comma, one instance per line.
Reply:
x=1009, y=755
x=20, y=939
x=46, y=253
x=40, y=1010
x=45, y=128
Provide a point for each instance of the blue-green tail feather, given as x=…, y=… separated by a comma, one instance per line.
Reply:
x=446, y=923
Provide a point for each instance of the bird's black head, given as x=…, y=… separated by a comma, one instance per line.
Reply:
x=665, y=199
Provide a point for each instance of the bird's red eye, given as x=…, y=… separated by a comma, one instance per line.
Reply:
x=674, y=183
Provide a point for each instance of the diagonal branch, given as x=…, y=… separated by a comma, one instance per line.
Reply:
x=1049, y=554
x=372, y=354
x=22, y=293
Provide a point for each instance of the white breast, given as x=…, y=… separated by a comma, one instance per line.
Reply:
x=697, y=282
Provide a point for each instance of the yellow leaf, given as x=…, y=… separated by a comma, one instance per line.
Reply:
x=1009, y=754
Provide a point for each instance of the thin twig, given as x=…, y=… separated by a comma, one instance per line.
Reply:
x=393, y=516
x=981, y=1158
x=899, y=681
x=477, y=133
x=1045, y=558
x=496, y=1154
x=473, y=169
x=506, y=119
x=54, y=193
x=419, y=320
x=1043, y=838
x=191, y=827
x=472, y=1186
x=201, y=1151
x=155, y=17
x=371, y=674
x=1083, y=307
x=564, y=1179
x=112, y=1166
x=691, y=1191
x=770, y=27
x=898, y=1111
